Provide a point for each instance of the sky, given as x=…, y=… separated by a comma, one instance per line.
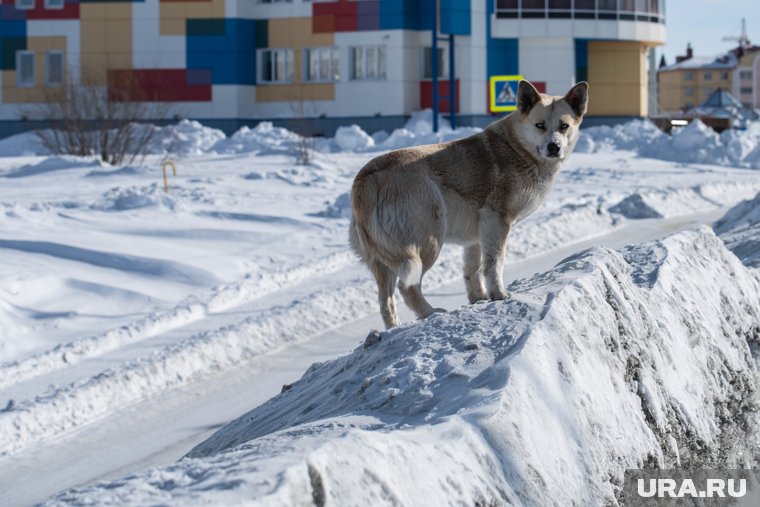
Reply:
x=705, y=22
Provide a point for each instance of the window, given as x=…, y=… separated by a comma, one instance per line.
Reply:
x=54, y=68
x=368, y=62
x=745, y=75
x=276, y=65
x=25, y=69
x=724, y=76
x=24, y=4
x=688, y=91
x=745, y=90
x=708, y=76
x=427, y=63
x=322, y=64
x=54, y=4
x=689, y=76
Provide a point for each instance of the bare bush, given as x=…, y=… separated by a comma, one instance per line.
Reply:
x=91, y=118
x=303, y=124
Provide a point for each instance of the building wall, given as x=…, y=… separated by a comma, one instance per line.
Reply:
x=202, y=55
x=681, y=89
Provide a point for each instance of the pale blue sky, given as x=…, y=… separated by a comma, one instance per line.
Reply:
x=705, y=22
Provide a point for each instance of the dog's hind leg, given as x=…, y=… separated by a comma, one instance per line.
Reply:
x=414, y=299
x=473, y=274
x=386, y=287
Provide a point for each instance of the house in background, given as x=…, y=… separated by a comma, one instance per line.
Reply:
x=234, y=62
x=691, y=80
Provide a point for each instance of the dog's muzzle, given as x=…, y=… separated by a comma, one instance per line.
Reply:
x=553, y=149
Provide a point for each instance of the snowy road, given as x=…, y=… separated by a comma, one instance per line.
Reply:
x=163, y=428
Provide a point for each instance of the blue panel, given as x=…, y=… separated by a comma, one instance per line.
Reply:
x=503, y=54
x=226, y=46
x=403, y=14
x=12, y=39
x=455, y=17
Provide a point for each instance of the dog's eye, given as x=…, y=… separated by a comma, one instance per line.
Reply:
x=541, y=126
x=563, y=126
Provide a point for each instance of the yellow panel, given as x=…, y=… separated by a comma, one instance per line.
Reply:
x=119, y=10
x=174, y=14
x=172, y=26
x=119, y=36
x=617, y=75
x=90, y=11
x=296, y=33
x=295, y=92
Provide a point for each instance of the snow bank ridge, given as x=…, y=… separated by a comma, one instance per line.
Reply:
x=610, y=361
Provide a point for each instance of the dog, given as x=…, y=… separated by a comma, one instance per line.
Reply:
x=406, y=203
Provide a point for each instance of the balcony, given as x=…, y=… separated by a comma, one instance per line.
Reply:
x=652, y=11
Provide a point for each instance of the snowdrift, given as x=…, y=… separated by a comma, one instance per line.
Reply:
x=740, y=230
x=695, y=143
x=611, y=360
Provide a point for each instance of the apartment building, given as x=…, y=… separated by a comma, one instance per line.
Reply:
x=234, y=62
x=692, y=79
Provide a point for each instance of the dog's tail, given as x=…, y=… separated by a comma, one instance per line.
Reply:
x=371, y=242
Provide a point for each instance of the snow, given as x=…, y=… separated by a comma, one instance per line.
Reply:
x=695, y=143
x=118, y=298
x=502, y=402
x=740, y=230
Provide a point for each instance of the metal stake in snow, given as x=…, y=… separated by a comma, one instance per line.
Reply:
x=174, y=172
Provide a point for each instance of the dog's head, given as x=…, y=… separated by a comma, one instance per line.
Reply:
x=549, y=125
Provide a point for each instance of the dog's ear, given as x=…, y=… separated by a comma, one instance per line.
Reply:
x=577, y=97
x=527, y=96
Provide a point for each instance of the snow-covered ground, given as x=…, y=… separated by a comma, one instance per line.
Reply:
x=134, y=323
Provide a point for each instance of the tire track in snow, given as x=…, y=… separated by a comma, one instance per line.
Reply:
x=221, y=298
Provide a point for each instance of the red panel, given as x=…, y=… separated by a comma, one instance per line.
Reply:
x=69, y=11
x=156, y=85
x=343, y=13
x=540, y=86
x=426, y=95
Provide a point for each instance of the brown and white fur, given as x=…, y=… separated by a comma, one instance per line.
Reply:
x=406, y=203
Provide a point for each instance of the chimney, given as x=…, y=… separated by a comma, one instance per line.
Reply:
x=687, y=56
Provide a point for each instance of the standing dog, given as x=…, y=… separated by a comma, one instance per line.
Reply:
x=406, y=203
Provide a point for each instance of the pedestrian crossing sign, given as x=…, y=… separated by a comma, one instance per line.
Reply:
x=503, y=96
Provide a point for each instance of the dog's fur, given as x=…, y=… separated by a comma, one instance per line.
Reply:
x=471, y=191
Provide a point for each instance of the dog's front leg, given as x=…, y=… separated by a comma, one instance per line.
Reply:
x=493, y=241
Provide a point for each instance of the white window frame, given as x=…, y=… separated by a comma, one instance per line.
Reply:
x=378, y=49
x=48, y=54
x=443, y=69
x=58, y=5
x=260, y=62
x=24, y=5
x=33, y=81
x=334, y=59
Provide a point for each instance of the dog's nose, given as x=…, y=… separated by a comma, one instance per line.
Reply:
x=553, y=149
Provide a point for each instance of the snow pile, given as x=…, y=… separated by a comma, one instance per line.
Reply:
x=740, y=230
x=54, y=163
x=185, y=138
x=419, y=130
x=263, y=137
x=610, y=361
x=695, y=143
x=339, y=208
x=22, y=145
x=130, y=198
x=352, y=138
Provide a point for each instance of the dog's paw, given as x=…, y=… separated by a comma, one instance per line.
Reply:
x=474, y=297
x=499, y=296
